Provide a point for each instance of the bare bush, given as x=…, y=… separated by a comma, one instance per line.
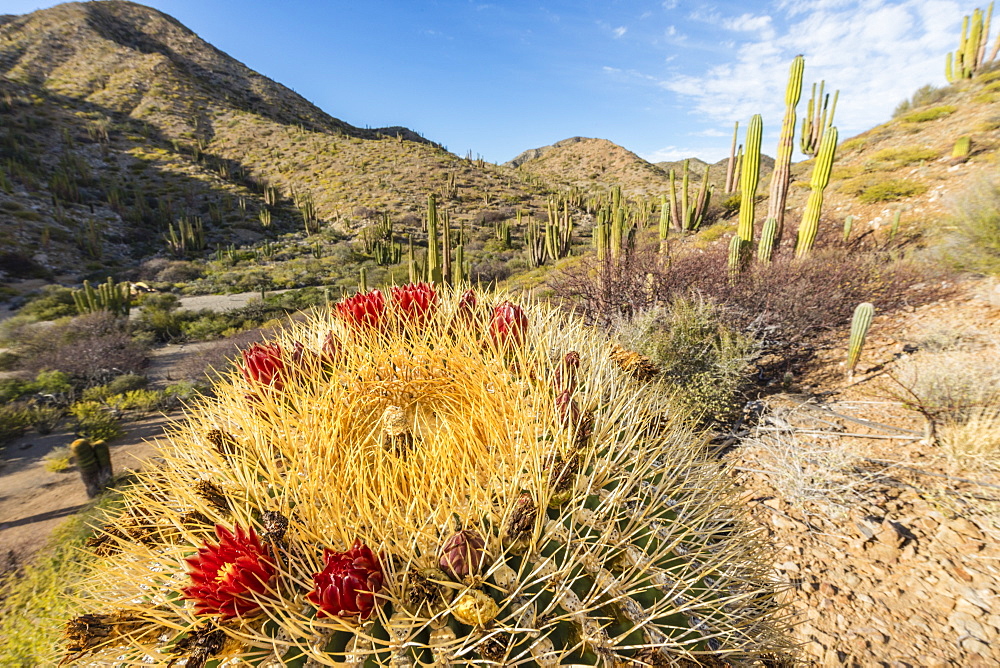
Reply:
x=92, y=349
x=609, y=290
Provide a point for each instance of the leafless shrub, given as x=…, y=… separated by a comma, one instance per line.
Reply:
x=609, y=290
x=92, y=349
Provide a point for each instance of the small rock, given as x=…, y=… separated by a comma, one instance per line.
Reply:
x=827, y=589
x=976, y=646
x=965, y=624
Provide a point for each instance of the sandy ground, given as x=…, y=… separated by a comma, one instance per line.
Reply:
x=34, y=501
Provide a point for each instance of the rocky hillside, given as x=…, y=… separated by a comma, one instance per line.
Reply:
x=592, y=164
x=116, y=121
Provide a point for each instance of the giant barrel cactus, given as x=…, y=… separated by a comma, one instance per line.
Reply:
x=421, y=479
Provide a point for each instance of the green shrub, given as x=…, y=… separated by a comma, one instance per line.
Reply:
x=974, y=240
x=12, y=389
x=8, y=360
x=36, y=603
x=127, y=382
x=144, y=401
x=703, y=358
x=58, y=460
x=870, y=188
x=52, y=382
x=931, y=114
x=925, y=95
x=52, y=303
x=900, y=157
x=44, y=418
x=14, y=420
x=95, y=421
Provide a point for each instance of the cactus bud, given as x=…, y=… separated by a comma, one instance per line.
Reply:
x=463, y=555
x=509, y=324
x=362, y=310
x=262, y=365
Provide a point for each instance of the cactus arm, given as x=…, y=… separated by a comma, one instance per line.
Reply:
x=820, y=178
x=860, y=324
x=731, y=165
x=750, y=177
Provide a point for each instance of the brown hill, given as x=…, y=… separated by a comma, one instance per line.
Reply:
x=587, y=163
x=117, y=121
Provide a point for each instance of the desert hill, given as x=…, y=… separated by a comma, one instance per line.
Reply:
x=117, y=122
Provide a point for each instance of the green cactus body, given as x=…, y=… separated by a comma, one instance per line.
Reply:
x=736, y=256
x=433, y=258
x=809, y=226
x=962, y=148
x=848, y=224
x=89, y=465
x=609, y=537
x=664, y=226
x=750, y=178
x=767, y=236
x=783, y=160
x=116, y=298
x=860, y=324
x=732, y=178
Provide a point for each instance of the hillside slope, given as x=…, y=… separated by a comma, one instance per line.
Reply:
x=116, y=121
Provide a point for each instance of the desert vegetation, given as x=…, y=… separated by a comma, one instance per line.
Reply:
x=484, y=414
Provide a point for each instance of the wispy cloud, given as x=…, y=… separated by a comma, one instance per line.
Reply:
x=675, y=153
x=619, y=32
x=876, y=52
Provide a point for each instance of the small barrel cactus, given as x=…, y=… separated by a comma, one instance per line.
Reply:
x=429, y=488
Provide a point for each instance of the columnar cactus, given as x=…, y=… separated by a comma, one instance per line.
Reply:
x=116, y=298
x=433, y=488
x=860, y=323
x=818, y=119
x=820, y=178
x=732, y=178
x=768, y=234
x=749, y=178
x=783, y=159
x=971, y=56
x=688, y=215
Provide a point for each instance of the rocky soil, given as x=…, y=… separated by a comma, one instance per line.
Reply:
x=889, y=547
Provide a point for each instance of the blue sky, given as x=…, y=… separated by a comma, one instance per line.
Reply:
x=665, y=79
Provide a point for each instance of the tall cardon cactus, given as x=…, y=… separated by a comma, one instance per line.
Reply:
x=783, y=160
x=750, y=178
x=427, y=479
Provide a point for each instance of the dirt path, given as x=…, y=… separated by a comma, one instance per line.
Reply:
x=34, y=501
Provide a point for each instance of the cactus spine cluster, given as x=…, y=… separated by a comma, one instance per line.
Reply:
x=820, y=178
x=971, y=56
x=94, y=462
x=115, y=298
x=818, y=119
x=783, y=160
x=430, y=481
x=750, y=178
x=860, y=323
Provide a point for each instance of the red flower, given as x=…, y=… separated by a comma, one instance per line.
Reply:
x=263, y=364
x=467, y=302
x=509, y=324
x=363, y=309
x=348, y=583
x=225, y=575
x=331, y=350
x=416, y=301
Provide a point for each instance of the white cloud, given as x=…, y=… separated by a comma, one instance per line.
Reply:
x=673, y=153
x=669, y=4
x=619, y=31
x=876, y=52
